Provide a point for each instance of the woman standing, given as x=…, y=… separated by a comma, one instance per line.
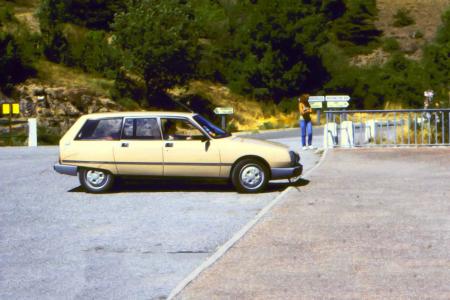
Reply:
x=305, y=120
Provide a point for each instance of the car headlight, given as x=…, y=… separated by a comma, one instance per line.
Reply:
x=295, y=157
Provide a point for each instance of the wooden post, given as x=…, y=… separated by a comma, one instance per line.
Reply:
x=10, y=125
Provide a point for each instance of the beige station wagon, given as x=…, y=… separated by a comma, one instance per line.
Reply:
x=100, y=147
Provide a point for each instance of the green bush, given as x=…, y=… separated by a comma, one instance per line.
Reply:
x=391, y=44
x=417, y=34
x=402, y=18
x=48, y=136
x=6, y=14
x=266, y=125
x=288, y=105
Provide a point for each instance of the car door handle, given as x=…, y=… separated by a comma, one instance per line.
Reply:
x=169, y=145
x=125, y=144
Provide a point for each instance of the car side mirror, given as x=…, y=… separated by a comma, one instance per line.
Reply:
x=204, y=139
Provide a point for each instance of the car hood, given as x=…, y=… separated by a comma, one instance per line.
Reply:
x=257, y=142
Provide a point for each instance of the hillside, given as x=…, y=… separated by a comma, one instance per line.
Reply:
x=261, y=80
x=426, y=15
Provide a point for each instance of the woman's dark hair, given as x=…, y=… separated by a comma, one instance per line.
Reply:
x=304, y=99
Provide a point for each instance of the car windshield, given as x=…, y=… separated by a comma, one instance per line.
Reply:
x=210, y=128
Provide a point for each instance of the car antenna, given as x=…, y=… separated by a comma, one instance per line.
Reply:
x=183, y=105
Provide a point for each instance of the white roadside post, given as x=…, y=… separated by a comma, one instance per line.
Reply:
x=32, y=132
x=345, y=127
x=347, y=134
x=329, y=135
x=370, y=132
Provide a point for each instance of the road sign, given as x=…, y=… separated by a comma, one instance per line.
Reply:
x=15, y=108
x=337, y=104
x=10, y=108
x=6, y=108
x=316, y=105
x=337, y=98
x=316, y=99
x=223, y=110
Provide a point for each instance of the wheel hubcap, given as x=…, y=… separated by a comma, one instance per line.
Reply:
x=252, y=176
x=96, y=178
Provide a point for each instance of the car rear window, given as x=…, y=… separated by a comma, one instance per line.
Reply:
x=141, y=129
x=101, y=129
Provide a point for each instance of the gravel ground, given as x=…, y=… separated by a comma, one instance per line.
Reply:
x=57, y=242
x=371, y=224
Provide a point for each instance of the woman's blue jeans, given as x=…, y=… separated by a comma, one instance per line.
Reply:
x=306, y=128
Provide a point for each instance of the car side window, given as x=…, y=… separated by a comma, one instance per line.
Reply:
x=141, y=129
x=101, y=129
x=180, y=129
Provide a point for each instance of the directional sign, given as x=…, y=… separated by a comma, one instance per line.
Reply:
x=337, y=104
x=223, y=110
x=340, y=98
x=316, y=105
x=316, y=99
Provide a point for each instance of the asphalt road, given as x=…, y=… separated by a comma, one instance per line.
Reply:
x=285, y=134
x=57, y=242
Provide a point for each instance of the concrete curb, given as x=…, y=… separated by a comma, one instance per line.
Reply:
x=236, y=237
x=321, y=160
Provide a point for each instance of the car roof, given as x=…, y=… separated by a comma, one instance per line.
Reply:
x=138, y=114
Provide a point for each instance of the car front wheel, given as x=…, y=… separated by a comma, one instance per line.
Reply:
x=250, y=176
x=95, y=181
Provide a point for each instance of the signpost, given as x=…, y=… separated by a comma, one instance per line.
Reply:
x=223, y=112
x=316, y=101
x=337, y=101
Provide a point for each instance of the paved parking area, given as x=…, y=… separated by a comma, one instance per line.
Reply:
x=371, y=224
x=57, y=242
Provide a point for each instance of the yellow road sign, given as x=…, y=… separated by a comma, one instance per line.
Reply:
x=15, y=108
x=6, y=108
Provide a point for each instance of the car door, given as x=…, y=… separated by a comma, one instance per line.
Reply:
x=187, y=150
x=139, y=151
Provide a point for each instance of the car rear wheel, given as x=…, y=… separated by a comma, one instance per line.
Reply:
x=250, y=176
x=96, y=181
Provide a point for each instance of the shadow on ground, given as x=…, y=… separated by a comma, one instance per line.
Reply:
x=191, y=185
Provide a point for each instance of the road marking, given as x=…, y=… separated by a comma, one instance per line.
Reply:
x=236, y=237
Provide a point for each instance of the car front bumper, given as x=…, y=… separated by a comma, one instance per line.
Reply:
x=66, y=169
x=285, y=173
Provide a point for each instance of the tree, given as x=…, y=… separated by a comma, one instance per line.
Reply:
x=95, y=14
x=15, y=66
x=51, y=13
x=159, y=43
x=357, y=24
x=273, y=52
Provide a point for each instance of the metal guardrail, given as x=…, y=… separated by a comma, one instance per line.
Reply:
x=387, y=128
